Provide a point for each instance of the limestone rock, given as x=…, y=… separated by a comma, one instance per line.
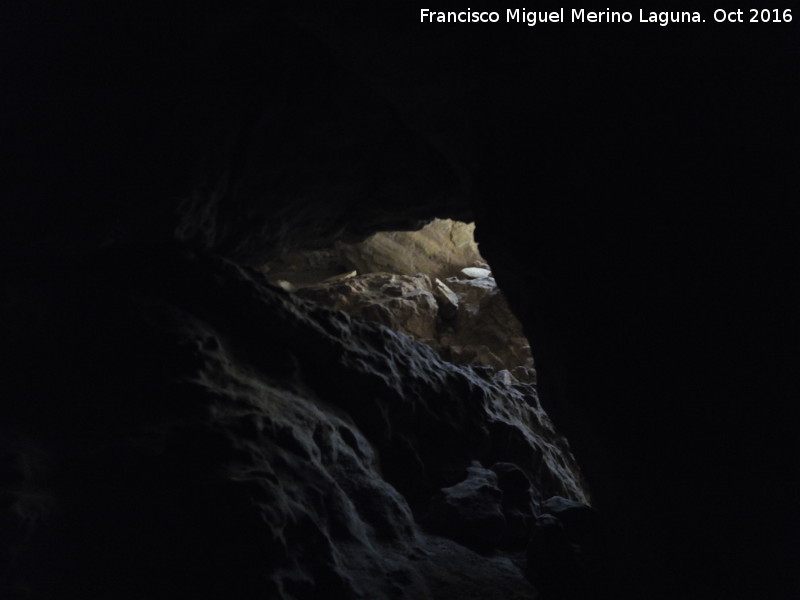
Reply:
x=476, y=272
x=447, y=299
x=285, y=285
x=561, y=507
x=579, y=520
x=245, y=129
x=253, y=444
x=391, y=275
x=440, y=249
x=515, y=485
x=340, y=276
x=404, y=303
x=485, y=331
x=518, y=507
x=470, y=512
x=467, y=321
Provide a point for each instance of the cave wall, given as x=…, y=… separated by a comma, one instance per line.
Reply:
x=636, y=208
x=181, y=427
x=223, y=125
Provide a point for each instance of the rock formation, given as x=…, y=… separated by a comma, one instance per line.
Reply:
x=288, y=445
x=393, y=278
x=173, y=425
x=440, y=249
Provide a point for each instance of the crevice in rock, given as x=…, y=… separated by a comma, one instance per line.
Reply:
x=434, y=287
x=431, y=284
x=301, y=450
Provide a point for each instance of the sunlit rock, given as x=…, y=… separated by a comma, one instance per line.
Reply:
x=476, y=272
x=404, y=303
x=440, y=249
x=485, y=330
x=447, y=299
x=464, y=317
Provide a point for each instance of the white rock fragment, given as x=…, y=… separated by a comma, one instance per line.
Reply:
x=285, y=285
x=476, y=272
x=340, y=277
x=446, y=298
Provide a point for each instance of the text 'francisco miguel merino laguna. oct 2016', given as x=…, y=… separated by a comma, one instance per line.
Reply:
x=581, y=15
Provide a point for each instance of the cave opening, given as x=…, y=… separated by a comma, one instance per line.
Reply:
x=517, y=478
x=431, y=284
x=174, y=425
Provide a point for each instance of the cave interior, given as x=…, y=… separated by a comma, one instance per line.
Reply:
x=251, y=350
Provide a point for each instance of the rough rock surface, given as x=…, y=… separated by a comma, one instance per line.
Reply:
x=252, y=444
x=578, y=518
x=466, y=320
x=405, y=303
x=440, y=249
x=231, y=141
x=485, y=331
x=476, y=272
x=518, y=503
x=446, y=298
x=638, y=209
x=397, y=283
x=470, y=512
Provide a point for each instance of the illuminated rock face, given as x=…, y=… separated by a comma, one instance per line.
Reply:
x=637, y=209
x=485, y=331
x=404, y=303
x=440, y=249
x=471, y=326
x=251, y=443
x=396, y=282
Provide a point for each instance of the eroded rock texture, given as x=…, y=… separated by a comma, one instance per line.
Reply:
x=440, y=249
x=635, y=193
x=466, y=320
x=252, y=443
x=393, y=278
x=404, y=303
